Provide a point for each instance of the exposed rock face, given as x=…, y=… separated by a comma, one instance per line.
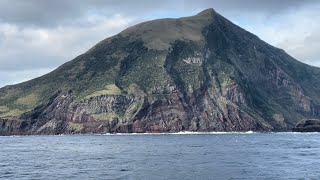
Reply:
x=200, y=73
x=309, y=125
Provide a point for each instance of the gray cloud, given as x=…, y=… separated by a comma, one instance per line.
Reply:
x=267, y=7
x=36, y=12
x=57, y=12
x=60, y=12
x=307, y=49
x=297, y=32
x=42, y=48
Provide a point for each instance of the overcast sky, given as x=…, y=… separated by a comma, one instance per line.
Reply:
x=36, y=36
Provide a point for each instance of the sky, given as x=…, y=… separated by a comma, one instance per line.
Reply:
x=37, y=36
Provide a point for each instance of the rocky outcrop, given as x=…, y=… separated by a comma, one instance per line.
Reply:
x=308, y=125
x=10, y=126
x=131, y=114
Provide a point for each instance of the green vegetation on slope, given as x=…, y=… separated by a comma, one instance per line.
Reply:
x=110, y=89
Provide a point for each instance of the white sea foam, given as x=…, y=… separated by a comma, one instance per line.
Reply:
x=178, y=133
x=296, y=132
x=182, y=133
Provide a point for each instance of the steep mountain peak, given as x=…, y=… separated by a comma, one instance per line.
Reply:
x=159, y=34
x=206, y=13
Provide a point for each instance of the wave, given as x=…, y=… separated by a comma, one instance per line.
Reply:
x=176, y=133
x=182, y=133
x=295, y=132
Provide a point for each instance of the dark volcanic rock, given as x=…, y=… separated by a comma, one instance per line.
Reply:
x=198, y=73
x=309, y=125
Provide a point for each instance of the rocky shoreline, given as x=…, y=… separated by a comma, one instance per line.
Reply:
x=9, y=127
x=308, y=125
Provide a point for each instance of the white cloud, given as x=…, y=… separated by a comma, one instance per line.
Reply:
x=34, y=47
x=31, y=48
x=14, y=77
x=297, y=32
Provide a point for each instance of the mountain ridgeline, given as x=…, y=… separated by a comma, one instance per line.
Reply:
x=198, y=73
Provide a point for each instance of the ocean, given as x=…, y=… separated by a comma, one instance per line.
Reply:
x=162, y=156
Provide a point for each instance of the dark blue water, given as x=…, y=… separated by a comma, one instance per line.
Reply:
x=214, y=156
